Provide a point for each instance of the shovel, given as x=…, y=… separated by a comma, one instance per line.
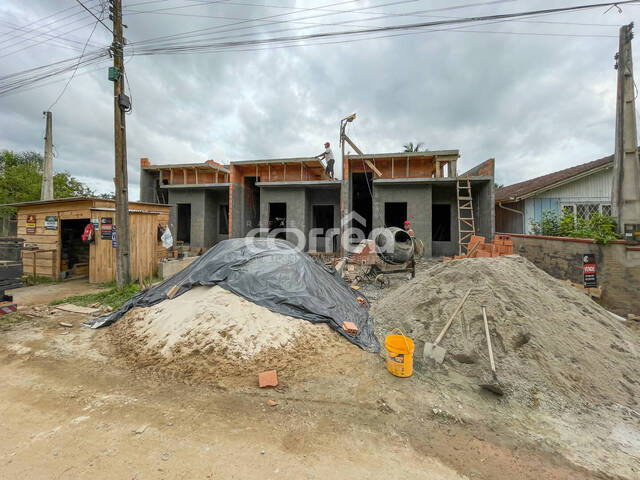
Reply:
x=433, y=351
x=493, y=385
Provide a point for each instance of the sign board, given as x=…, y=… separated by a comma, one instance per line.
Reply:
x=96, y=224
x=50, y=222
x=106, y=227
x=589, y=270
x=31, y=224
x=114, y=243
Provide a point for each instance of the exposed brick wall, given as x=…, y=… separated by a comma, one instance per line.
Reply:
x=618, y=266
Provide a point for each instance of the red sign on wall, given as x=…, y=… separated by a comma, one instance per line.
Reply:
x=31, y=224
x=589, y=271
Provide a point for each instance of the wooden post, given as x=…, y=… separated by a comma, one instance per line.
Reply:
x=184, y=176
x=407, y=173
x=196, y=171
x=171, y=177
x=269, y=165
x=54, y=277
x=392, y=167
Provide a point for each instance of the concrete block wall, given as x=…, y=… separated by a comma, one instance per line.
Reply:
x=296, y=201
x=419, y=212
x=618, y=266
x=323, y=196
x=148, y=185
x=196, y=198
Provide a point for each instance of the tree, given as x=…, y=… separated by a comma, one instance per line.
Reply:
x=21, y=180
x=418, y=147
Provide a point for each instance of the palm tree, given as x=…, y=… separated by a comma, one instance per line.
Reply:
x=418, y=147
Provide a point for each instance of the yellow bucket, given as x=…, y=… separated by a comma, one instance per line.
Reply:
x=399, y=354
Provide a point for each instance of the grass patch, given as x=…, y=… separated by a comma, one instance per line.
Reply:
x=10, y=320
x=112, y=296
x=30, y=280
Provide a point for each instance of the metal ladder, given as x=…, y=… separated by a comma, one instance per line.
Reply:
x=466, y=223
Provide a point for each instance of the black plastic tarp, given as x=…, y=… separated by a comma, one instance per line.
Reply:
x=270, y=273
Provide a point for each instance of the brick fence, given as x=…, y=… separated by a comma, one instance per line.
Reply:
x=618, y=266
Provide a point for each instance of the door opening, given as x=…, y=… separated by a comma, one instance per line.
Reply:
x=361, y=200
x=323, y=219
x=441, y=223
x=74, y=253
x=278, y=219
x=184, y=223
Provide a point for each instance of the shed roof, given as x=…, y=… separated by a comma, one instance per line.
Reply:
x=74, y=200
x=528, y=188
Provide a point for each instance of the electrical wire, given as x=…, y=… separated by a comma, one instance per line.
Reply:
x=76, y=67
x=182, y=47
x=94, y=15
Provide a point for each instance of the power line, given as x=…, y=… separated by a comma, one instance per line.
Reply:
x=179, y=47
x=76, y=67
x=94, y=16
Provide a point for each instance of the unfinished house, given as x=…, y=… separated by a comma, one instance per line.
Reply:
x=292, y=193
x=385, y=189
x=199, y=197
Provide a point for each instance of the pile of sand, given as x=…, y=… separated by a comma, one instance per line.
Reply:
x=209, y=332
x=554, y=346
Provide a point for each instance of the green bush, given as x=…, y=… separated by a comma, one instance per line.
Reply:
x=601, y=228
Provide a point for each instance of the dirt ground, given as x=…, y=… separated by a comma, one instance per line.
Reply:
x=70, y=408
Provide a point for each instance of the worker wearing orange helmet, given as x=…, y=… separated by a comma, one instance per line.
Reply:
x=407, y=228
x=328, y=156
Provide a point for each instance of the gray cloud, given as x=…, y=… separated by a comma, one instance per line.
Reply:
x=535, y=103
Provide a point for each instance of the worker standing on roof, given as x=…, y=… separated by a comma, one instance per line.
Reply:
x=328, y=156
x=407, y=228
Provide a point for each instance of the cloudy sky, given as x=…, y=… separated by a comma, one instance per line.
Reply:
x=538, y=94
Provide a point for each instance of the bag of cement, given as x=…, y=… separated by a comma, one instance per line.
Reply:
x=167, y=238
x=271, y=273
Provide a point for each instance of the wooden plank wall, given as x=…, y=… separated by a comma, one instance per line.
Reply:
x=146, y=250
x=47, y=239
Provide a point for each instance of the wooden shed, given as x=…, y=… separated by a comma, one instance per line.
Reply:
x=55, y=228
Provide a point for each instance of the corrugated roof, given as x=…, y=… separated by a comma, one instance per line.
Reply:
x=527, y=188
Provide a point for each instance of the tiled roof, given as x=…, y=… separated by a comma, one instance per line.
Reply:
x=518, y=190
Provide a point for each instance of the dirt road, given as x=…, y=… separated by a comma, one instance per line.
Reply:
x=68, y=410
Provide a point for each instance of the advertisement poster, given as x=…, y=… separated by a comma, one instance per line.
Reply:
x=31, y=224
x=106, y=227
x=589, y=270
x=114, y=244
x=50, y=222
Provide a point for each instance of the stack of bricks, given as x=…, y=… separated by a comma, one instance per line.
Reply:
x=479, y=248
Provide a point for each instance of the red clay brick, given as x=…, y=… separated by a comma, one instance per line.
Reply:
x=350, y=327
x=268, y=379
x=482, y=254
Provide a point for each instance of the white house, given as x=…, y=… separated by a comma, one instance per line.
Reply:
x=583, y=189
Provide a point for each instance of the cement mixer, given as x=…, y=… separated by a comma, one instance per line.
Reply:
x=392, y=251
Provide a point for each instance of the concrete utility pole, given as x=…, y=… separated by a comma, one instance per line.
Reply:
x=625, y=195
x=120, y=102
x=46, y=192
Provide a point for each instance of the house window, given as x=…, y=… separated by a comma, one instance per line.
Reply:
x=586, y=210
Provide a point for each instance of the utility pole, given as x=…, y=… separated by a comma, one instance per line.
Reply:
x=625, y=195
x=46, y=192
x=121, y=104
